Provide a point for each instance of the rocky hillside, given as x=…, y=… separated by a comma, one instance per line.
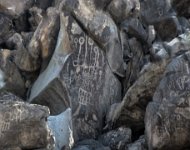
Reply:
x=94, y=74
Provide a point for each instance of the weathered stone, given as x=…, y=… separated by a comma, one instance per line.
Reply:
x=21, y=57
x=168, y=28
x=5, y=96
x=124, y=9
x=16, y=7
x=154, y=10
x=100, y=26
x=116, y=139
x=134, y=28
x=43, y=42
x=134, y=64
x=90, y=145
x=5, y=28
x=79, y=77
x=10, y=79
x=185, y=24
x=151, y=34
x=182, y=7
x=167, y=117
x=61, y=126
x=140, y=144
x=164, y=18
x=24, y=126
x=36, y=17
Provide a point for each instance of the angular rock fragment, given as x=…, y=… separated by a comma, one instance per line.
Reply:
x=134, y=64
x=167, y=117
x=168, y=28
x=140, y=144
x=101, y=28
x=182, y=7
x=124, y=9
x=90, y=145
x=6, y=30
x=36, y=17
x=16, y=7
x=43, y=42
x=131, y=110
x=20, y=55
x=164, y=18
x=10, y=79
x=116, y=139
x=134, y=28
x=24, y=126
x=61, y=126
x=79, y=77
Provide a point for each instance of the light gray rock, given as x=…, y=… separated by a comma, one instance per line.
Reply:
x=10, y=77
x=61, y=126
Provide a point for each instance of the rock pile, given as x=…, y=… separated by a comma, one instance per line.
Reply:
x=94, y=75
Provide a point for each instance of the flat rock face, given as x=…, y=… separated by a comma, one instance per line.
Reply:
x=167, y=117
x=61, y=127
x=23, y=125
x=83, y=78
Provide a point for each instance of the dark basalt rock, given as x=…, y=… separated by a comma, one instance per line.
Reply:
x=6, y=30
x=116, y=139
x=182, y=7
x=124, y=9
x=140, y=144
x=77, y=76
x=101, y=27
x=90, y=145
x=40, y=47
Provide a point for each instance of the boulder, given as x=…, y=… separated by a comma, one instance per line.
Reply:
x=101, y=28
x=24, y=126
x=78, y=76
x=43, y=42
x=167, y=122
x=140, y=144
x=121, y=10
x=134, y=28
x=6, y=29
x=116, y=139
x=61, y=127
x=182, y=7
x=90, y=144
x=164, y=18
x=10, y=79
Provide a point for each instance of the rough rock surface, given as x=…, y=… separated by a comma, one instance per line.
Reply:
x=101, y=67
x=117, y=139
x=24, y=126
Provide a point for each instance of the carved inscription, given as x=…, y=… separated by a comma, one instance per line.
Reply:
x=87, y=70
x=10, y=117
